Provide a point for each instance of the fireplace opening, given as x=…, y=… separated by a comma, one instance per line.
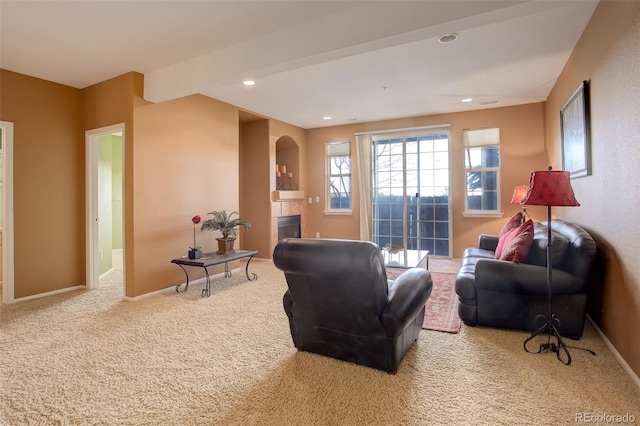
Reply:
x=289, y=227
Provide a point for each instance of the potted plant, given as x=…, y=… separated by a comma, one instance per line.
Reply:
x=227, y=226
x=195, y=252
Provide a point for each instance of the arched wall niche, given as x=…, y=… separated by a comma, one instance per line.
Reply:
x=288, y=164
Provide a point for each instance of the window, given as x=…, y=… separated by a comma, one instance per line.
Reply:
x=482, y=168
x=339, y=176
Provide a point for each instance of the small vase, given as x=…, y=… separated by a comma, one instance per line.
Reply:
x=195, y=254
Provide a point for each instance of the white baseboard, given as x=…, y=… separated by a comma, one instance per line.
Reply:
x=172, y=289
x=103, y=275
x=615, y=353
x=50, y=293
x=125, y=298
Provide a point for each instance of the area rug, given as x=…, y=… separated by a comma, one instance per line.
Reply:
x=441, y=313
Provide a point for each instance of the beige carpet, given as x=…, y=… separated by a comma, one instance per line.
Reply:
x=113, y=277
x=87, y=358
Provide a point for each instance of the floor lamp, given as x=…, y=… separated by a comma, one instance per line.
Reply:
x=550, y=188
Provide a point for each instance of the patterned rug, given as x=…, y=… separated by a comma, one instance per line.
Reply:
x=441, y=312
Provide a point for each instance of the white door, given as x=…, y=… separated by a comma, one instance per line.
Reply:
x=105, y=201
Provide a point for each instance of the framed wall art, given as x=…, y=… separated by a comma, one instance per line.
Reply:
x=576, y=140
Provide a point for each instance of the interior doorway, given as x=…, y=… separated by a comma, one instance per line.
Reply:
x=105, y=207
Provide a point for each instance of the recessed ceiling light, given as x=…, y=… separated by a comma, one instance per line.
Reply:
x=467, y=100
x=326, y=117
x=249, y=82
x=448, y=38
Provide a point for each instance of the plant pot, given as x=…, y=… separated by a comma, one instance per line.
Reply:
x=194, y=254
x=225, y=246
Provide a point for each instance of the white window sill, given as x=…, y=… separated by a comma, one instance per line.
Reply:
x=344, y=212
x=482, y=214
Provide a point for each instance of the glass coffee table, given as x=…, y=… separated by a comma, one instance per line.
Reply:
x=398, y=257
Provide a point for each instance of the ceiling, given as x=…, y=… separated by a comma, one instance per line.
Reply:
x=355, y=61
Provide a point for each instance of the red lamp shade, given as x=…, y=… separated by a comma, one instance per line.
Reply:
x=519, y=193
x=550, y=188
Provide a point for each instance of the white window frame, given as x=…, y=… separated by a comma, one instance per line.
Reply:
x=337, y=151
x=482, y=138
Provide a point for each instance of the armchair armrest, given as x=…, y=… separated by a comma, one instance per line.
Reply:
x=488, y=242
x=407, y=295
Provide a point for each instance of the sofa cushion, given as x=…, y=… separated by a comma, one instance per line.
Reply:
x=518, y=243
x=513, y=223
x=473, y=252
x=538, y=252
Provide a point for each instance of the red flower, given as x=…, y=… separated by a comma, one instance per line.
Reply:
x=196, y=220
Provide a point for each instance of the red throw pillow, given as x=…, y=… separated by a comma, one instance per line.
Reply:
x=518, y=243
x=513, y=223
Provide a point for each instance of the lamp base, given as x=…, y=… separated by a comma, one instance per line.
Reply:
x=550, y=327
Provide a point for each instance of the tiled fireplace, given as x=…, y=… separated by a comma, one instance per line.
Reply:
x=287, y=209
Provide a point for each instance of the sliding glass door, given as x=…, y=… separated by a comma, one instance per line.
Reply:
x=410, y=196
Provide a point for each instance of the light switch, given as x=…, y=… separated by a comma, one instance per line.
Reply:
x=317, y=199
x=310, y=200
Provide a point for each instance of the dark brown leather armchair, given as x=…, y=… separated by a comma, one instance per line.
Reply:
x=340, y=303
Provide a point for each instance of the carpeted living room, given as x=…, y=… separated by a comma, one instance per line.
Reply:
x=86, y=357
x=402, y=126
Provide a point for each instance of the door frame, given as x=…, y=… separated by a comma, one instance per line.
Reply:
x=91, y=192
x=8, y=259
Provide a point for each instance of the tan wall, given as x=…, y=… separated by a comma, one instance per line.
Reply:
x=181, y=132
x=186, y=162
x=522, y=149
x=255, y=199
x=107, y=103
x=181, y=158
x=48, y=182
x=608, y=56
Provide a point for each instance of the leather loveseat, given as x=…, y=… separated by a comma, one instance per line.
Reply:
x=340, y=303
x=505, y=294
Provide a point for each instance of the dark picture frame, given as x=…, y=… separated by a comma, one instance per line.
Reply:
x=576, y=138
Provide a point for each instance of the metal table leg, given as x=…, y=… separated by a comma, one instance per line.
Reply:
x=186, y=284
x=246, y=271
x=206, y=291
x=252, y=277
